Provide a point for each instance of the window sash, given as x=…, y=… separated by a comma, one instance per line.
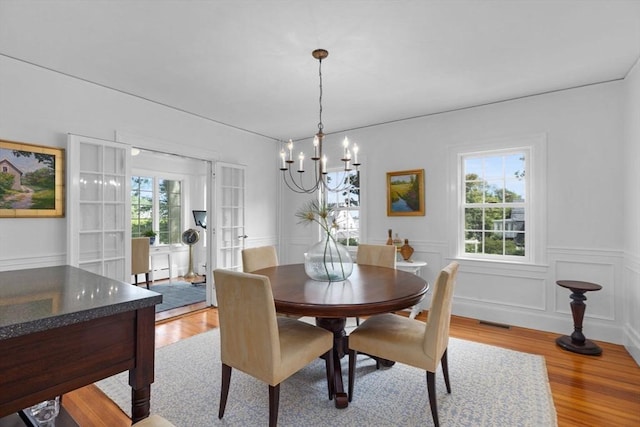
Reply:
x=156, y=205
x=494, y=208
x=347, y=213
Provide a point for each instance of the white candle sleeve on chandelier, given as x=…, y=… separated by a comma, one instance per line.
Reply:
x=301, y=158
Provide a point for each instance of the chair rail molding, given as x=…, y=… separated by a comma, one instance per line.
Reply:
x=35, y=261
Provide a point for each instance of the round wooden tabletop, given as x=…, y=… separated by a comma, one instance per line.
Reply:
x=579, y=285
x=369, y=290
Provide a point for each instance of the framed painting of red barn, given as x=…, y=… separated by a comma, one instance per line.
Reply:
x=31, y=180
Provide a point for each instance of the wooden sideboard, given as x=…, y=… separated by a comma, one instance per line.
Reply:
x=62, y=328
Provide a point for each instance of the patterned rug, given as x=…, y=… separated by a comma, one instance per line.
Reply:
x=491, y=386
x=178, y=294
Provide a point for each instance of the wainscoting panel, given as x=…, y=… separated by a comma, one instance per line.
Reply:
x=509, y=290
x=600, y=303
x=631, y=311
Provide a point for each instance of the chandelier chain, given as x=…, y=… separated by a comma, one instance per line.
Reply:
x=320, y=125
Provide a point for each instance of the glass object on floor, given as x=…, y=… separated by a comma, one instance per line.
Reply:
x=45, y=413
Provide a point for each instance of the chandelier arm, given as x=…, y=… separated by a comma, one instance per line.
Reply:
x=295, y=188
x=299, y=187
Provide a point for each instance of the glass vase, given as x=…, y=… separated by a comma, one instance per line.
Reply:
x=328, y=261
x=45, y=413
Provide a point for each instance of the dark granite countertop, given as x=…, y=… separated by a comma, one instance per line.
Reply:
x=38, y=299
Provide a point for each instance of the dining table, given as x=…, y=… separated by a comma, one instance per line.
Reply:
x=369, y=290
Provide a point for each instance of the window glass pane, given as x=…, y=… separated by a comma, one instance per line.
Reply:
x=493, y=167
x=494, y=219
x=473, y=166
x=494, y=191
x=514, y=190
x=494, y=243
x=473, y=189
x=473, y=242
x=473, y=218
x=514, y=166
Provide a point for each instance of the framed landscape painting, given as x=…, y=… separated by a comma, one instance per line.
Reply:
x=31, y=180
x=405, y=193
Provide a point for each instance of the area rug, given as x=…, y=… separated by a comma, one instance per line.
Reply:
x=490, y=387
x=178, y=294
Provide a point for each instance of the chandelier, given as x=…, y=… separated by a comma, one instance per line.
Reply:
x=319, y=181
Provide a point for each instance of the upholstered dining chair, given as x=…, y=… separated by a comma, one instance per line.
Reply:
x=258, y=258
x=409, y=341
x=259, y=343
x=140, y=258
x=378, y=255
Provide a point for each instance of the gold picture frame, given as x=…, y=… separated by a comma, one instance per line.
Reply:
x=31, y=181
x=405, y=193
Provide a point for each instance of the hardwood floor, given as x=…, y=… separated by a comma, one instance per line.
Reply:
x=587, y=390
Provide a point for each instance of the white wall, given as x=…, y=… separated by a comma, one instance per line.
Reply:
x=631, y=206
x=584, y=234
x=592, y=151
x=40, y=107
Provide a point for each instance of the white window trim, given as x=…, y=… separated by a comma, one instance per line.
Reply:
x=536, y=218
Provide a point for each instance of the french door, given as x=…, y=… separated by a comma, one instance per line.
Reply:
x=230, y=205
x=98, y=216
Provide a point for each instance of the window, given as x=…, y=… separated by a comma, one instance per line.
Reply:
x=156, y=205
x=500, y=204
x=494, y=204
x=346, y=205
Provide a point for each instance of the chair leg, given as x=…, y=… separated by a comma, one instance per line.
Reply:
x=357, y=321
x=146, y=278
x=224, y=392
x=328, y=361
x=431, y=389
x=352, y=371
x=445, y=370
x=274, y=402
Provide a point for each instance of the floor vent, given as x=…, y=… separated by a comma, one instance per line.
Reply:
x=495, y=325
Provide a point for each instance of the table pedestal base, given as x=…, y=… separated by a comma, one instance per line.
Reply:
x=336, y=326
x=588, y=347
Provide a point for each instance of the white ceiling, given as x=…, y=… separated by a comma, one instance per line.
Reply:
x=248, y=64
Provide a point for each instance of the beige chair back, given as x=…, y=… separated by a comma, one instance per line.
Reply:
x=436, y=337
x=378, y=255
x=249, y=338
x=139, y=255
x=258, y=258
